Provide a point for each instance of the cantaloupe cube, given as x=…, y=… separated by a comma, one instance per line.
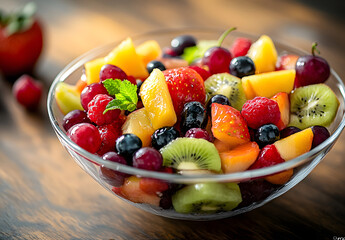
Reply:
x=156, y=99
x=148, y=51
x=280, y=178
x=138, y=123
x=295, y=144
x=125, y=57
x=240, y=158
x=92, y=70
x=268, y=84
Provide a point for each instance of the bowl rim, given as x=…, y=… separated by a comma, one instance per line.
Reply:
x=224, y=177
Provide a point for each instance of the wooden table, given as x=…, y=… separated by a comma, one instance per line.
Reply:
x=45, y=195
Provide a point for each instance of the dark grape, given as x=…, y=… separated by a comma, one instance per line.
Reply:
x=179, y=43
x=163, y=136
x=126, y=145
x=289, y=131
x=320, y=135
x=112, y=177
x=242, y=66
x=155, y=64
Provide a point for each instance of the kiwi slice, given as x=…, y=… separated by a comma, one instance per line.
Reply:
x=227, y=85
x=207, y=198
x=191, y=154
x=313, y=105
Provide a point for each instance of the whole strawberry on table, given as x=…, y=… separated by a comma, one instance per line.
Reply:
x=198, y=107
x=21, y=41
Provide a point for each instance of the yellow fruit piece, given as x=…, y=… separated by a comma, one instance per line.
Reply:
x=295, y=144
x=148, y=51
x=268, y=84
x=92, y=70
x=156, y=99
x=67, y=98
x=125, y=57
x=138, y=123
x=264, y=54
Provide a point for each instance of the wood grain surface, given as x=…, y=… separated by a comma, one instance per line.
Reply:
x=45, y=195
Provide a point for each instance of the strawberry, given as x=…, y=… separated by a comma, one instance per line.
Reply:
x=268, y=156
x=21, y=42
x=228, y=125
x=240, y=47
x=185, y=85
x=203, y=72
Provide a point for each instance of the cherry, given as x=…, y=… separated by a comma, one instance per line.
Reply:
x=112, y=72
x=320, y=135
x=147, y=158
x=86, y=136
x=218, y=58
x=311, y=69
x=27, y=91
x=112, y=177
x=74, y=117
x=90, y=91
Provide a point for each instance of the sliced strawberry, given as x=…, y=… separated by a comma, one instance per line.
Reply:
x=268, y=156
x=228, y=125
x=202, y=71
x=240, y=47
x=185, y=85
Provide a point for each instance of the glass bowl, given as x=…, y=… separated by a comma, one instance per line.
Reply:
x=255, y=191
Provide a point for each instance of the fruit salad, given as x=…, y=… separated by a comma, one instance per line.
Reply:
x=198, y=107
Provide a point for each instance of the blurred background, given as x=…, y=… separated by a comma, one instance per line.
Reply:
x=45, y=195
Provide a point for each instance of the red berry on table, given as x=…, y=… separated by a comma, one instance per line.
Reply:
x=311, y=69
x=96, y=108
x=86, y=136
x=260, y=111
x=109, y=71
x=185, y=85
x=286, y=62
x=90, y=91
x=21, y=42
x=74, y=117
x=218, y=58
x=147, y=158
x=27, y=91
x=240, y=47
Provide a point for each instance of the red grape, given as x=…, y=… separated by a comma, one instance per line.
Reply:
x=112, y=177
x=74, y=117
x=198, y=133
x=89, y=92
x=147, y=158
x=112, y=72
x=86, y=136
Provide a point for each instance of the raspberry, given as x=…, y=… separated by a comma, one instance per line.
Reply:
x=260, y=111
x=96, y=108
x=240, y=47
x=109, y=133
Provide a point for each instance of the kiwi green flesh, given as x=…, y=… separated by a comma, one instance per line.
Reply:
x=313, y=105
x=207, y=198
x=227, y=85
x=191, y=154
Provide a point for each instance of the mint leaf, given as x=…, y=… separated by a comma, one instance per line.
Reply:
x=192, y=53
x=125, y=95
x=112, y=86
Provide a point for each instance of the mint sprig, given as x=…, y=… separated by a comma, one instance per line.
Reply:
x=125, y=95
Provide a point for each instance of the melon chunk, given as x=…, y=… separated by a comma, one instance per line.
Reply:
x=67, y=98
x=125, y=57
x=268, y=84
x=156, y=99
x=240, y=158
x=283, y=101
x=295, y=144
x=138, y=123
x=92, y=70
x=148, y=51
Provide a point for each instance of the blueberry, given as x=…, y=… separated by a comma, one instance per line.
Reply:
x=193, y=116
x=163, y=136
x=155, y=64
x=221, y=99
x=267, y=134
x=127, y=144
x=242, y=66
x=179, y=43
